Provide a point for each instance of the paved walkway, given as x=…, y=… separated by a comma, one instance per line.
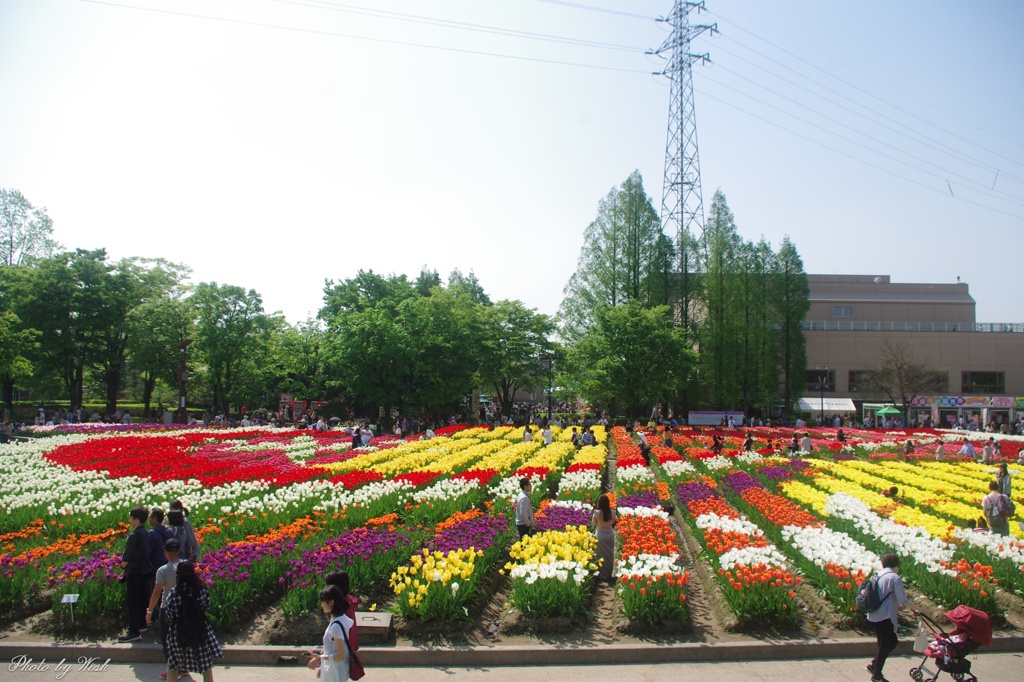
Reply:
x=992, y=667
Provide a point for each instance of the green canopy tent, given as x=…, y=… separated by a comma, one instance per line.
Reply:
x=888, y=411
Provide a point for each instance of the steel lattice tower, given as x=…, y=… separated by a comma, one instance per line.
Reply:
x=682, y=204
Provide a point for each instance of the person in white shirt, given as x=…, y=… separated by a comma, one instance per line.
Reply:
x=967, y=449
x=524, y=508
x=884, y=618
x=527, y=434
x=334, y=661
x=805, y=443
x=548, y=435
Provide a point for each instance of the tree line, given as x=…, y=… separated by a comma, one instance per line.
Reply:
x=646, y=320
x=707, y=321
x=76, y=325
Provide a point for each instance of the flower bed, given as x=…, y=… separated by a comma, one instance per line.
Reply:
x=442, y=579
x=551, y=572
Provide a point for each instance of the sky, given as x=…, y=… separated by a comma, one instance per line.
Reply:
x=276, y=144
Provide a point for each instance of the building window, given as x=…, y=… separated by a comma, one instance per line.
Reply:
x=842, y=311
x=860, y=380
x=813, y=377
x=983, y=382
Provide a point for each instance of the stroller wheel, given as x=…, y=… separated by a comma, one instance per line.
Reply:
x=916, y=674
x=959, y=677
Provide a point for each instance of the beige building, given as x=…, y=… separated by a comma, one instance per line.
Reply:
x=852, y=316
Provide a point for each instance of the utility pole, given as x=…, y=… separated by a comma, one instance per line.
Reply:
x=682, y=203
x=181, y=414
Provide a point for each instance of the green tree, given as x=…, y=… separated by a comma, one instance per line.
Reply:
x=17, y=340
x=25, y=231
x=302, y=354
x=631, y=359
x=427, y=280
x=157, y=327
x=720, y=335
x=469, y=285
x=129, y=283
x=444, y=330
x=791, y=301
x=371, y=354
x=624, y=258
x=66, y=296
x=392, y=347
x=365, y=291
x=761, y=365
x=513, y=339
x=231, y=335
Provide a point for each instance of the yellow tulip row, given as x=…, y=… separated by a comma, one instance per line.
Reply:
x=550, y=457
x=572, y=544
x=427, y=568
x=924, y=491
x=413, y=456
x=591, y=454
x=857, y=484
x=507, y=459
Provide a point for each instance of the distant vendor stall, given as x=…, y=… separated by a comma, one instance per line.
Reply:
x=825, y=405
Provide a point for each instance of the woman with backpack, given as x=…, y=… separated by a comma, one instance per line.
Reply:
x=884, y=617
x=182, y=531
x=998, y=509
x=191, y=644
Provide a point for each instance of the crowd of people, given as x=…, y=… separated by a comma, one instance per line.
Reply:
x=162, y=586
x=158, y=569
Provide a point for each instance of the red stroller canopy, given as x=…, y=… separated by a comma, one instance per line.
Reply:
x=972, y=622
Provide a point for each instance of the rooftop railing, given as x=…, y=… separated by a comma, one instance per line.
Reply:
x=873, y=326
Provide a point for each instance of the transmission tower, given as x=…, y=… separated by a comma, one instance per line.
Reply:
x=682, y=204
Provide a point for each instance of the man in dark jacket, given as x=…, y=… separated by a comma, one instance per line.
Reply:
x=137, y=573
x=159, y=534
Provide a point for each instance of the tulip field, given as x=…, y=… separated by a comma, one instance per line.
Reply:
x=430, y=524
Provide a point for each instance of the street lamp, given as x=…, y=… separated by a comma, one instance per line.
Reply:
x=822, y=383
x=182, y=413
x=548, y=362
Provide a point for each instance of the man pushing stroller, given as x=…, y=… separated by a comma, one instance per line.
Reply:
x=884, y=617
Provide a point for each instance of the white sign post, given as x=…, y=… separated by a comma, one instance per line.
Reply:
x=70, y=599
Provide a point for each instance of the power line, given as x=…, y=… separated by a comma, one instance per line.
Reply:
x=947, y=173
x=460, y=25
x=1002, y=174
x=350, y=36
x=850, y=156
x=604, y=10
x=926, y=141
x=867, y=92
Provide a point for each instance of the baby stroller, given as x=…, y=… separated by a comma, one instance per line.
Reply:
x=950, y=650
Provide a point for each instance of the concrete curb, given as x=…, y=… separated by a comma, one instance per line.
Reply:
x=435, y=657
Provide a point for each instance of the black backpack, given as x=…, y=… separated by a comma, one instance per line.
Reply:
x=868, y=596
